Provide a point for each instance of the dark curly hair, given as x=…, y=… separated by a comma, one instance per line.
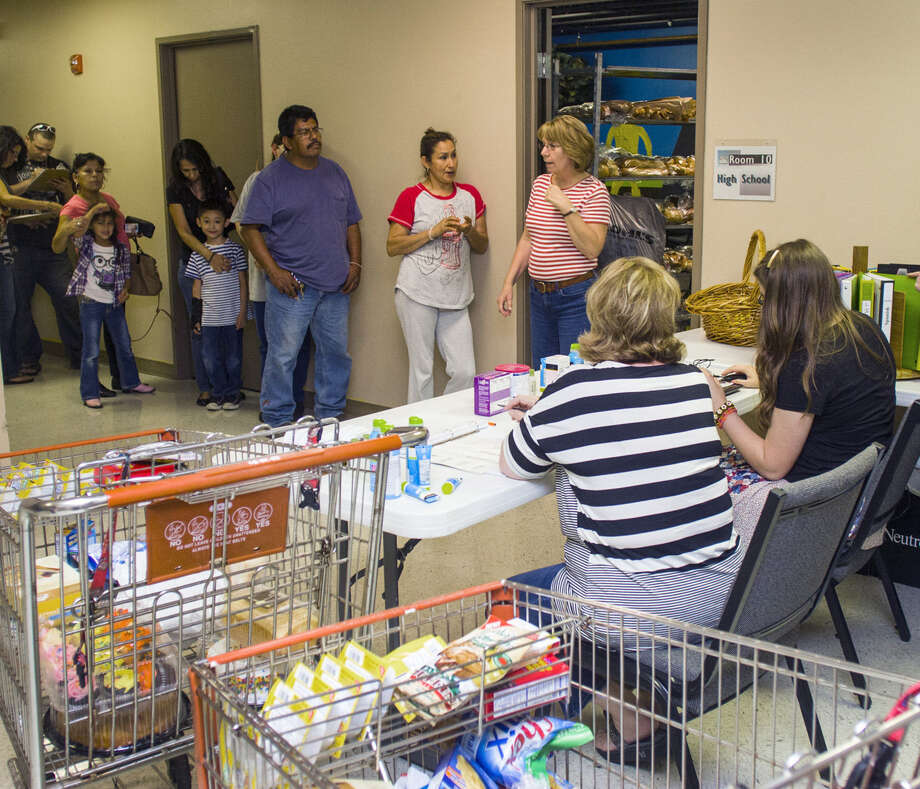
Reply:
x=9, y=139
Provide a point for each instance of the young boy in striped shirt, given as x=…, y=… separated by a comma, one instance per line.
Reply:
x=219, y=307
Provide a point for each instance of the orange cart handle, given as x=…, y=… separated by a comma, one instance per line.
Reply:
x=164, y=434
x=268, y=466
x=352, y=624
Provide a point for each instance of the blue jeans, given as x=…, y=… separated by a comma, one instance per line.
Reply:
x=7, y=322
x=92, y=316
x=303, y=358
x=37, y=266
x=222, y=352
x=287, y=321
x=201, y=374
x=556, y=320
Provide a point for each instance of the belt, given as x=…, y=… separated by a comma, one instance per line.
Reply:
x=549, y=287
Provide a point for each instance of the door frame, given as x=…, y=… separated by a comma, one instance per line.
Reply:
x=536, y=33
x=169, y=134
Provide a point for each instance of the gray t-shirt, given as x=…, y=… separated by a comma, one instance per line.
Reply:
x=437, y=274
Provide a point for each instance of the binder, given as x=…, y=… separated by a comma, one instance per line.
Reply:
x=866, y=298
x=883, y=300
x=910, y=339
x=846, y=282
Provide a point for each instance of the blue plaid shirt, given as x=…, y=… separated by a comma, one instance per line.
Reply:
x=85, y=258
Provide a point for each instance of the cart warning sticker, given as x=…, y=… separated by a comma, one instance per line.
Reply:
x=180, y=536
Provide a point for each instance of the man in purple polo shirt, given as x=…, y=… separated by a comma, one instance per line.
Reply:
x=301, y=225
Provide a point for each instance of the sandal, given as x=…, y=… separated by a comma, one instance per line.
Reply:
x=93, y=402
x=638, y=752
x=140, y=389
x=22, y=378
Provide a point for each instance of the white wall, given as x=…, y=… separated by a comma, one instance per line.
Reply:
x=835, y=85
x=376, y=73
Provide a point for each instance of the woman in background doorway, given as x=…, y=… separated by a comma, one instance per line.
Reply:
x=434, y=225
x=564, y=230
x=195, y=179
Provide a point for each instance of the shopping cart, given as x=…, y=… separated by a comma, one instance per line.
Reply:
x=93, y=677
x=757, y=739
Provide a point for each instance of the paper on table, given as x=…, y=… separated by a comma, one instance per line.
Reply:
x=476, y=453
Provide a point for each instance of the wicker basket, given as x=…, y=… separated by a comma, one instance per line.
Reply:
x=731, y=313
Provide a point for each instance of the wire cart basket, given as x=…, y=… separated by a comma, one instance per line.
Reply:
x=135, y=563
x=602, y=673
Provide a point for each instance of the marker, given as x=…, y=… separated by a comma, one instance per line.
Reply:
x=450, y=485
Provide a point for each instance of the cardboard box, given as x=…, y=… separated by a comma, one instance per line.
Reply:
x=48, y=573
x=490, y=392
x=543, y=681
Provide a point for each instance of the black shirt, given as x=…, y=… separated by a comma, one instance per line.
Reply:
x=40, y=236
x=181, y=193
x=852, y=402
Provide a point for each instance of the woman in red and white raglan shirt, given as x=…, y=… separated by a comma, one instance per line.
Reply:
x=434, y=225
x=564, y=230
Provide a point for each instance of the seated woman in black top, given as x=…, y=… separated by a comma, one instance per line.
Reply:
x=826, y=377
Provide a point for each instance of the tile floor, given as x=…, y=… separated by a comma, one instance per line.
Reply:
x=50, y=411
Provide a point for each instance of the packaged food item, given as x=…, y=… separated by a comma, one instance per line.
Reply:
x=34, y=480
x=298, y=712
x=318, y=711
x=344, y=698
x=483, y=656
x=456, y=771
x=503, y=748
x=540, y=682
x=410, y=657
x=671, y=108
x=366, y=665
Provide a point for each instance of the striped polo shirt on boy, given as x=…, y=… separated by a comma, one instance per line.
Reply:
x=220, y=291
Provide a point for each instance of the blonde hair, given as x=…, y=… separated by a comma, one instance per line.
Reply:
x=631, y=308
x=572, y=136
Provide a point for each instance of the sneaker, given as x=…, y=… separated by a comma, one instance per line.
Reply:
x=203, y=400
x=213, y=405
x=231, y=403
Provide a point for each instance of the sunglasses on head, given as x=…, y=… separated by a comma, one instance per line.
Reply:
x=43, y=127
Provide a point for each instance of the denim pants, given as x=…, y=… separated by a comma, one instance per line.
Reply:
x=303, y=358
x=222, y=353
x=37, y=266
x=7, y=322
x=201, y=374
x=287, y=320
x=556, y=319
x=93, y=314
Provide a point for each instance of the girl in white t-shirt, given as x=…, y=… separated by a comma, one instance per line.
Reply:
x=100, y=279
x=434, y=225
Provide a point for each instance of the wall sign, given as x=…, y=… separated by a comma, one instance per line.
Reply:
x=744, y=172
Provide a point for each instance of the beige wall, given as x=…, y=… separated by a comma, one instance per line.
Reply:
x=835, y=85
x=376, y=73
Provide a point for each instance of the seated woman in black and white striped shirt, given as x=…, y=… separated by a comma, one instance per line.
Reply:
x=642, y=501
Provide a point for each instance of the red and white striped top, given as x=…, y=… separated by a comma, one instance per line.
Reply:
x=553, y=256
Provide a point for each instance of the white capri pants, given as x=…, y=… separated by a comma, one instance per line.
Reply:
x=421, y=325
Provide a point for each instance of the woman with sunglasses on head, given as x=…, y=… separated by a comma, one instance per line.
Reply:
x=565, y=226
x=88, y=173
x=434, y=225
x=826, y=377
x=195, y=178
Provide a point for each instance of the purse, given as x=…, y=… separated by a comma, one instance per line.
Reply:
x=145, y=279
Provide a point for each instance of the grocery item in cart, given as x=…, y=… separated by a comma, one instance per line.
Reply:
x=484, y=655
x=123, y=668
x=32, y=480
x=457, y=772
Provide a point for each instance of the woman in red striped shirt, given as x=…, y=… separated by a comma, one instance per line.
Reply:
x=564, y=230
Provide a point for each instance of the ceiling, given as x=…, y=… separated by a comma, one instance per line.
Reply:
x=611, y=15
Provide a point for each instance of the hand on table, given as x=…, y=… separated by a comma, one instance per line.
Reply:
x=916, y=277
x=517, y=406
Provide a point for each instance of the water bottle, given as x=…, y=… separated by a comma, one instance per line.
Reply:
x=393, y=485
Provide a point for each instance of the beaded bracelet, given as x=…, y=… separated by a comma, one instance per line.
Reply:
x=723, y=411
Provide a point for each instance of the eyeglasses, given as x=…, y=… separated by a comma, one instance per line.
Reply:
x=43, y=127
x=316, y=131
x=551, y=145
x=702, y=363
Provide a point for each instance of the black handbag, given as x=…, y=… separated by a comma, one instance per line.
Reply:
x=145, y=279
